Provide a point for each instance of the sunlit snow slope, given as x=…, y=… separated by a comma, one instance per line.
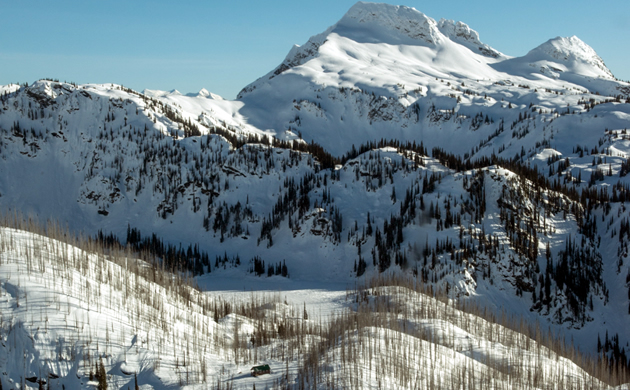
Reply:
x=384, y=71
x=65, y=311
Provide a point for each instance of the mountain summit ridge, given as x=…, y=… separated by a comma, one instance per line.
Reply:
x=461, y=33
x=402, y=20
x=572, y=49
x=406, y=41
x=407, y=62
x=376, y=23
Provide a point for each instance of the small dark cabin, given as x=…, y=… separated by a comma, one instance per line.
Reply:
x=260, y=370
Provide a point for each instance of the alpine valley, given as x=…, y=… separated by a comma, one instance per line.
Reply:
x=422, y=211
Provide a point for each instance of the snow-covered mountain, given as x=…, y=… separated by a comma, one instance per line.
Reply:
x=391, y=142
x=382, y=70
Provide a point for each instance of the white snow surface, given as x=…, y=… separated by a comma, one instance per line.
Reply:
x=377, y=72
x=64, y=309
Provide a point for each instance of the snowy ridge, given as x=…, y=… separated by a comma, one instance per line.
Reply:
x=460, y=32
x=571, y=49
x=144, y=170
x=562, y=58
x=387, y=19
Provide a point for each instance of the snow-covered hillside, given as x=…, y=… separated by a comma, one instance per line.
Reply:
x=391, y=142
x=68, y=311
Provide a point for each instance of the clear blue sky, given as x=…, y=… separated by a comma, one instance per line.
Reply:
x=224, y=45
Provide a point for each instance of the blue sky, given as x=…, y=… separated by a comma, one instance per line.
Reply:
x=224, y=45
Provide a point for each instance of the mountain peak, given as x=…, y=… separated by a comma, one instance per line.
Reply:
x=459, y=32
x=573, y=51
x=567, y=48
x=376, y=46
x=379, y=23
x=380, y=18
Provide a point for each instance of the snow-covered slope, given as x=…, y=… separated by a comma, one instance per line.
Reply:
x=566, y=59
x=67, y=311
